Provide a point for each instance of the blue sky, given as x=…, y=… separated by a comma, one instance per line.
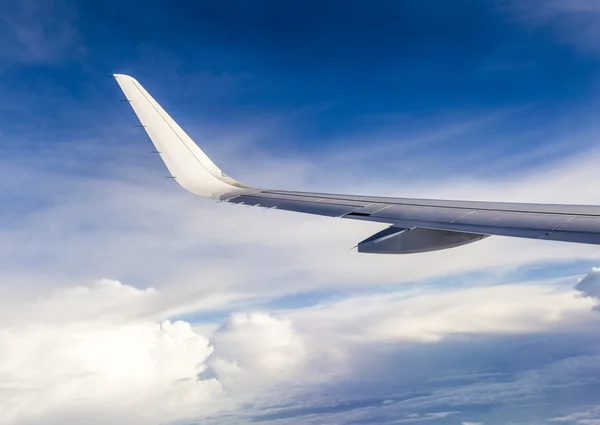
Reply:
x=126, y=300
x=330, y=71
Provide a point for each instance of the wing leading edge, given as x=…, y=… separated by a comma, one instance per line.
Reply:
x=416, y=225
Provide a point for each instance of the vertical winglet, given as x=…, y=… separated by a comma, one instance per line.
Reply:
x=188, y=164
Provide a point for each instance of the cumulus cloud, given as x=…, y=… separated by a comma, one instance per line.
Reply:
x=99, y=357
x=84, y=360
x=106, y=354
x=253, y=347
x=55, y=371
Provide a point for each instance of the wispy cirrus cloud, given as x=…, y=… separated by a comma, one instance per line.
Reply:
x=590, y=416
x=574, y=21
x=38, y=32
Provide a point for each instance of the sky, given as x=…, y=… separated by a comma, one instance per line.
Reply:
x=126, y=300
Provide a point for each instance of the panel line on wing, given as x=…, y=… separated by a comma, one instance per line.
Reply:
x=464, y=215
x=565, y=222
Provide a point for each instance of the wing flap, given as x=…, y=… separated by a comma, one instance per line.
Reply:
x=395, y=240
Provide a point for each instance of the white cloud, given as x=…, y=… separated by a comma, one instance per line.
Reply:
x=93, y=355
x=102, y=353
x=106, y=353
x=425, y=417
x=253, y=347
x=587, y=417
x=133, y=225
x=505, y=309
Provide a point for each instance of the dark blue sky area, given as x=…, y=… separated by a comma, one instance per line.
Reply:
x=339, y=66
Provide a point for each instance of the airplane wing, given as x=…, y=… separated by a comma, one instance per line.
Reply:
x=416, y=225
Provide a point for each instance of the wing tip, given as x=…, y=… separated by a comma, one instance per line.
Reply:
x=194, y=170
x=124, y=77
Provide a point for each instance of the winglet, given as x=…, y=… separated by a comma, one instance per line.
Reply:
x=188, y=164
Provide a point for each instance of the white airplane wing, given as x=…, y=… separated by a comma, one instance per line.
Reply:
x=416, y=225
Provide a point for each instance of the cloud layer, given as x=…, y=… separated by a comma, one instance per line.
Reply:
x=97, y=353
x=100, y=352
